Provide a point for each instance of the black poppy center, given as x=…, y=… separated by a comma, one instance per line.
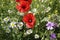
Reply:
x=23, y=7
x=30, y=21
x=26, y=0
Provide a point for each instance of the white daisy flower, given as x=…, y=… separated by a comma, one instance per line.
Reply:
x=29, y=31
x=13, y=24
x=6, y=19
x=20, y=24
x=36, y=36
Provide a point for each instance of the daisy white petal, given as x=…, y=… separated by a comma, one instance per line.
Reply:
x=29, y=31
x=36, y=36
x=13, y=24
x=20, y=24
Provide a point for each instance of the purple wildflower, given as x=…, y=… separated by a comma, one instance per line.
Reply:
x=50, y=25
x=52, y=36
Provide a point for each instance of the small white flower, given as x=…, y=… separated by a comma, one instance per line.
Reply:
x=13, y=24
x=36, y=36
x=6, y=19
x=29, y=31
x=48, y=9
x=20, y=24
x=9, y=11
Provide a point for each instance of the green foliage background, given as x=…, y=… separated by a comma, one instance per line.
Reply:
x=41, y=17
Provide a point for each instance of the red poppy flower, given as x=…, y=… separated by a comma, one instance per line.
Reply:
x=29, y=1
x=23, y=6
x=17, y=0
x=29, y=19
